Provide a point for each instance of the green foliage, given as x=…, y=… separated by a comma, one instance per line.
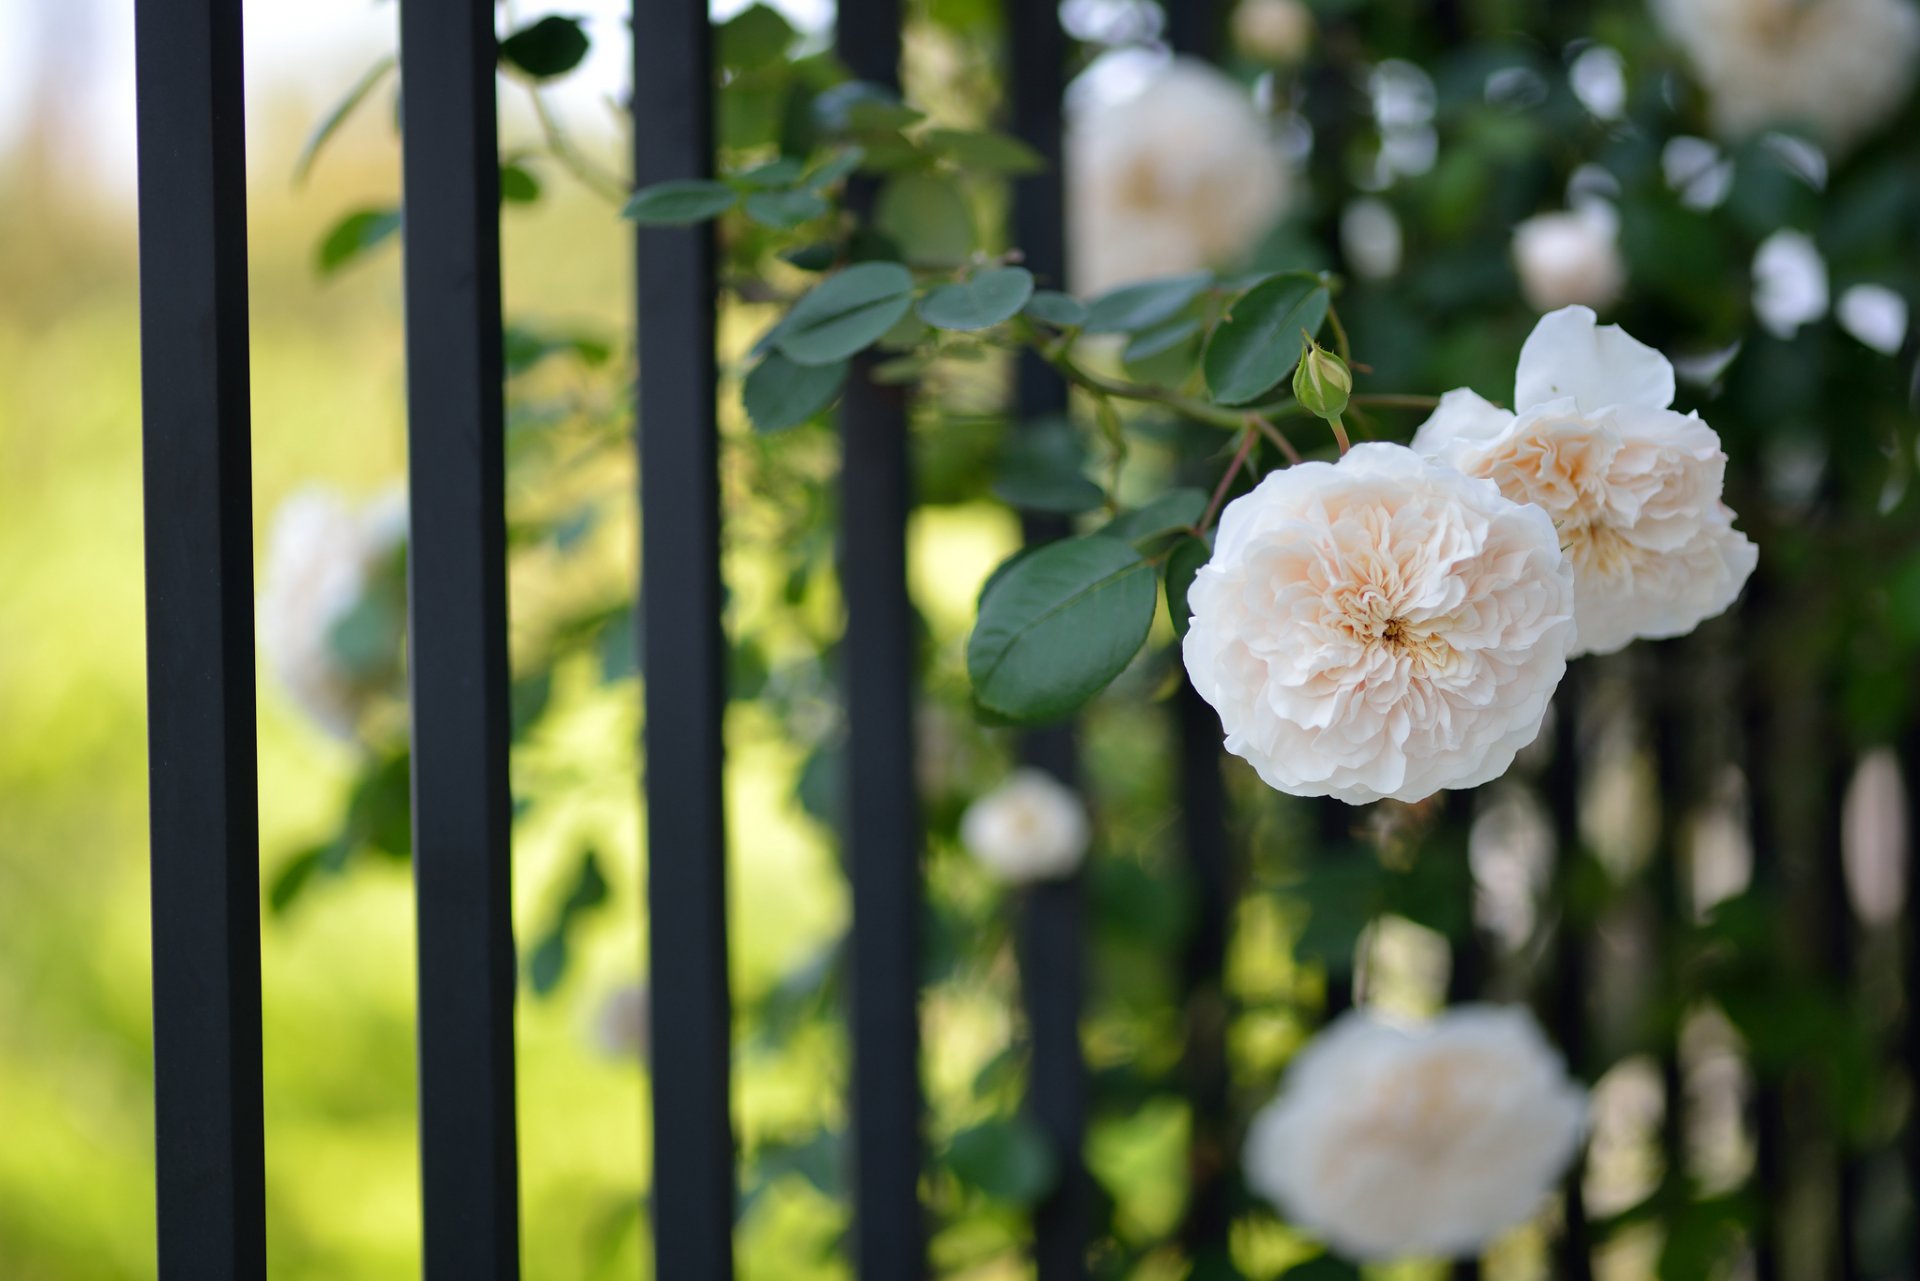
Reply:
x=354, y=236
x=547, y=963
x=983, y=300
x=845, y=313
x=680, y=203
x=779, y=393
x=1258, y=340
x=1009, y=1160
x=546, y=48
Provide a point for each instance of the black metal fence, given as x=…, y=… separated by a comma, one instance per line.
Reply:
x=200, y=672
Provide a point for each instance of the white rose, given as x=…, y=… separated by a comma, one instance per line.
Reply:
x=1393, y=1141
x=1379, y=627
x=1275, y=30
x=1842, y=66
x=1030, y=828
x=329, y=566
x=1633, y=487
x=1182, y=173
x=1789, y=283
x=1571, y=257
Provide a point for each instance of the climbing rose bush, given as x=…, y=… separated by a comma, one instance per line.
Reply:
x=1391, y=1141
x=1633, y=487
x=1383, y=626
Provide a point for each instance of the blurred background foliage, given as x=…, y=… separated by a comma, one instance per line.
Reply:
x=1713, y=936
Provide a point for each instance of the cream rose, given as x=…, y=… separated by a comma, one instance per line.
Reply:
x=1181, y=174
x=1030, y=828
x=332, y=604
x=1570, y=257
x=1379, y=627
x=1391, y=1141
x=1841, y=66
x=1633, y=487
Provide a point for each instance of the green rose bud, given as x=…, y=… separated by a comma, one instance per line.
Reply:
x=1322, y=382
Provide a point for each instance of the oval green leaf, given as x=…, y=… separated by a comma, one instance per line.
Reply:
x=1132, y=308
x=1051, y=307
x=1056, y=628
x=784, y=210
x=980, y=302
x=1258, y=342
x=779, y=394
x=550, y=47
x=679, y=203
x=1183, y=562
x=846, y=312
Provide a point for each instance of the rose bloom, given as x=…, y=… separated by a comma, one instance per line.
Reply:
x=1030, y=828
x=1181, y=174
x=1391, y=1141
x=1379, y=627
x=328, y=566
x=1274, y=30
x=1570, y=257
x=1632, y=486
x=1842, y=66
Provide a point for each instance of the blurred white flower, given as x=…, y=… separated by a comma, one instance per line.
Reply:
x=1273, y=30
x=1599, y=80
x=1876, y=315
x=1789, y=283
x=1379, y=627
x=1181, y=174
x=620, y=1024
x=332, y=604
x=1030, y=828
x=1370, y=238
x=1840, y=66
x=1633, y=487
x=1571, y=257
x=1393, y=1142
x=1696, y=170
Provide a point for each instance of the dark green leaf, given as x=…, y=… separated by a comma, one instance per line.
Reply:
x=754, y=37
x=1043, y=469
x=678, y=203
x=1258, y=342
x=518, y=186
x=779, y=394
x=354, y=235
x=980, y=302
x=547, y=964
x=1051, y=307
x=293, y=877
x=528, y=699
x=836, y=167
x=1175, y=509
x=550, y=47
x=331, y=122
x=1055, y=629
x=527, y=346
x=848, y=311
x=1159, y=340
x=783, y=172
x=1010, y=1160
x=1183, y=562
x=783, y=210
x=1132, y=308
x=983, y=151
x=927, y=216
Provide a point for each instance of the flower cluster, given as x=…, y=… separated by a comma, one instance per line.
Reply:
x=1390, y=1141
x=1396, y=623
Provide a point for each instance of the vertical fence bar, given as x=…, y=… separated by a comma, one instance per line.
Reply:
x=203, y=798
x=457, y=636
x=883, y=837
x=1052, y=926
x=682, y=641
x=1565, y=997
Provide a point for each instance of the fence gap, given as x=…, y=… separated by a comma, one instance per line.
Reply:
x=202, y=773
x=882, y=812
x=681, y=638
x=457, y=641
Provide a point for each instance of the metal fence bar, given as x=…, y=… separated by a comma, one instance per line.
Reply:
x=882, y=816
x=203, y=795
x=682, y=642
x=457, y=618
x=1052, y=927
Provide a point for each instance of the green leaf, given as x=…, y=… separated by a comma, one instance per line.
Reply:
x=679, y=203
x=752, y=38
x=353, y=236
x=779, y=394
x=783, y=172
x=1010, y=1160
x=784, y=210
x=547, y=964
x=1051, y=307
x=1159, y=340
x=1175, y=509
x=1132, y=308
x=1183, y=562
x=928, y=217
x=331, y=122
x=836, y=167
x=982, y=301
x=1258, y=342
x=1042, y=469
x=983, y=151
x=527, y=345
x=550, y=47
x=518, y=186
x=846, y=312
x=1057, y=627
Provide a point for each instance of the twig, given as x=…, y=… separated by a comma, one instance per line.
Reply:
x=1278, y=437
x=1226, y=480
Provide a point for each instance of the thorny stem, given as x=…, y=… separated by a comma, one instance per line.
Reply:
x=1248, y=438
